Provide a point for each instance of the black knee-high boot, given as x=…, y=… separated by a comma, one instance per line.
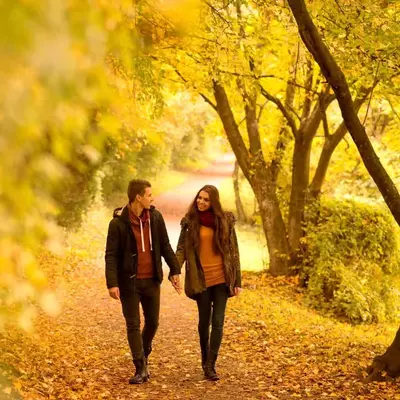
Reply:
x=147, y=352
x=209, y=370
x=204, y=355
x=141, y=372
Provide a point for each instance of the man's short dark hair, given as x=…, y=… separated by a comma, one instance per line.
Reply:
x=137, y=187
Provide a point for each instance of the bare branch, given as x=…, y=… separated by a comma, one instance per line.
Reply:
x=392, y=107
x=282, y=108
x=372, y=91
x=206, y=99
x=241, y=74
x=325, y=123
x=261, y=110
x=231, y=128
x=308, y=86
x=217, y=13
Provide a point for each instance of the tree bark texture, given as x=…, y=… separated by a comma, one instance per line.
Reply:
x=337, y=80
x=238, y=201
x=389, y=361
x=260, y=178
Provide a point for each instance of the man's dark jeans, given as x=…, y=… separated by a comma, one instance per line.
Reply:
x=211, y=305
x=147, y=293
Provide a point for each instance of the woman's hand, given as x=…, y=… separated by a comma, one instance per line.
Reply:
x=176, y=283
x=237, y=291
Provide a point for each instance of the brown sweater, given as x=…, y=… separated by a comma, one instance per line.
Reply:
x=211, y=262
x=145, y=268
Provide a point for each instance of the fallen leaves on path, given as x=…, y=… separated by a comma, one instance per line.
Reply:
x=273, y=348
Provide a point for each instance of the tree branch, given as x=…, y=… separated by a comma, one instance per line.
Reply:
x=261, y=110
x=282, y=108
x=231, y=128
x=392, y=107
x=308, y=86
x=370, y=97
x=205, y=98
x=337, y=80
x=325, y=123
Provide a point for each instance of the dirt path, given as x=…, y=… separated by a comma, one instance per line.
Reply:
x=175, y=203
x=83, y=353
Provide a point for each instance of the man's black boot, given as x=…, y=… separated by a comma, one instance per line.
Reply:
x=141, y=372
x=209, y=370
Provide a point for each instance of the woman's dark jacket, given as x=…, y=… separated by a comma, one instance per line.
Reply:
x=194, y=275
x=121, y=250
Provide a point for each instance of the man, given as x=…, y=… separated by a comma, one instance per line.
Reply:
x=137, y=238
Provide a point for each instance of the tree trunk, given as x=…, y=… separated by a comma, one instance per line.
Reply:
x=238, y=201
x=331, y=142
x=301, y=172
x=273, y=224
x=300, y=180
x=388, y=362
x=330, y=145
x=260, y=178
x=337, y=80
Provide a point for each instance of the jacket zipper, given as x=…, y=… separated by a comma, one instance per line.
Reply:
x=132, y=255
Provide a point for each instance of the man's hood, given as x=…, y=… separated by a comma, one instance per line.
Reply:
x=123, y=212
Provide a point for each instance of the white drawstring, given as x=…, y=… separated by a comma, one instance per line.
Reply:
x=151, y=244
x=141, y=234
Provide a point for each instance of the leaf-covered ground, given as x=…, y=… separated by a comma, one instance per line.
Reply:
x=273, y=347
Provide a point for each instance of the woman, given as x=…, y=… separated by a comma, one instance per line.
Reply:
x=209, y=246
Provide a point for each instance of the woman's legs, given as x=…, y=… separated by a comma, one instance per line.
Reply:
x=211, y=306
x=219, y=297
x=204, y=308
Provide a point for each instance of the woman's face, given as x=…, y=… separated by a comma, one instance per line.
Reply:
x=203, y=201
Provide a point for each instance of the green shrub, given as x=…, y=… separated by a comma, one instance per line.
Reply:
x=74, y=199
x=351, y=261
x=76, y=191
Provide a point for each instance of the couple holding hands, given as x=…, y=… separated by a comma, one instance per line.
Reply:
x=137, y=239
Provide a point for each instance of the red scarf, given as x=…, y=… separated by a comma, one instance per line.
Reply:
x=207, y=218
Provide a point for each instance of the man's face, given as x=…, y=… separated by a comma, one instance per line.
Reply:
x=147, y=198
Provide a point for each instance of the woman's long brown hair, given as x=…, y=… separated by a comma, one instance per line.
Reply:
x=221, y=225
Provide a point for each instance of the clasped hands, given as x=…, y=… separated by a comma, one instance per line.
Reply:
x=176, y=283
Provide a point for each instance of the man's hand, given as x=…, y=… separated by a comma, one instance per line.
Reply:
x=114, y=293
x=237, y=291
x=176, y=283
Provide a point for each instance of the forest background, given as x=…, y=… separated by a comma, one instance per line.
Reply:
x=98, y=93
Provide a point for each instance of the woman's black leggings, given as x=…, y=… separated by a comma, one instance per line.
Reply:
x=211, y=305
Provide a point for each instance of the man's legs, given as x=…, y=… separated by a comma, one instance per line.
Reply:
x=150, y=299
x=130, y=308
